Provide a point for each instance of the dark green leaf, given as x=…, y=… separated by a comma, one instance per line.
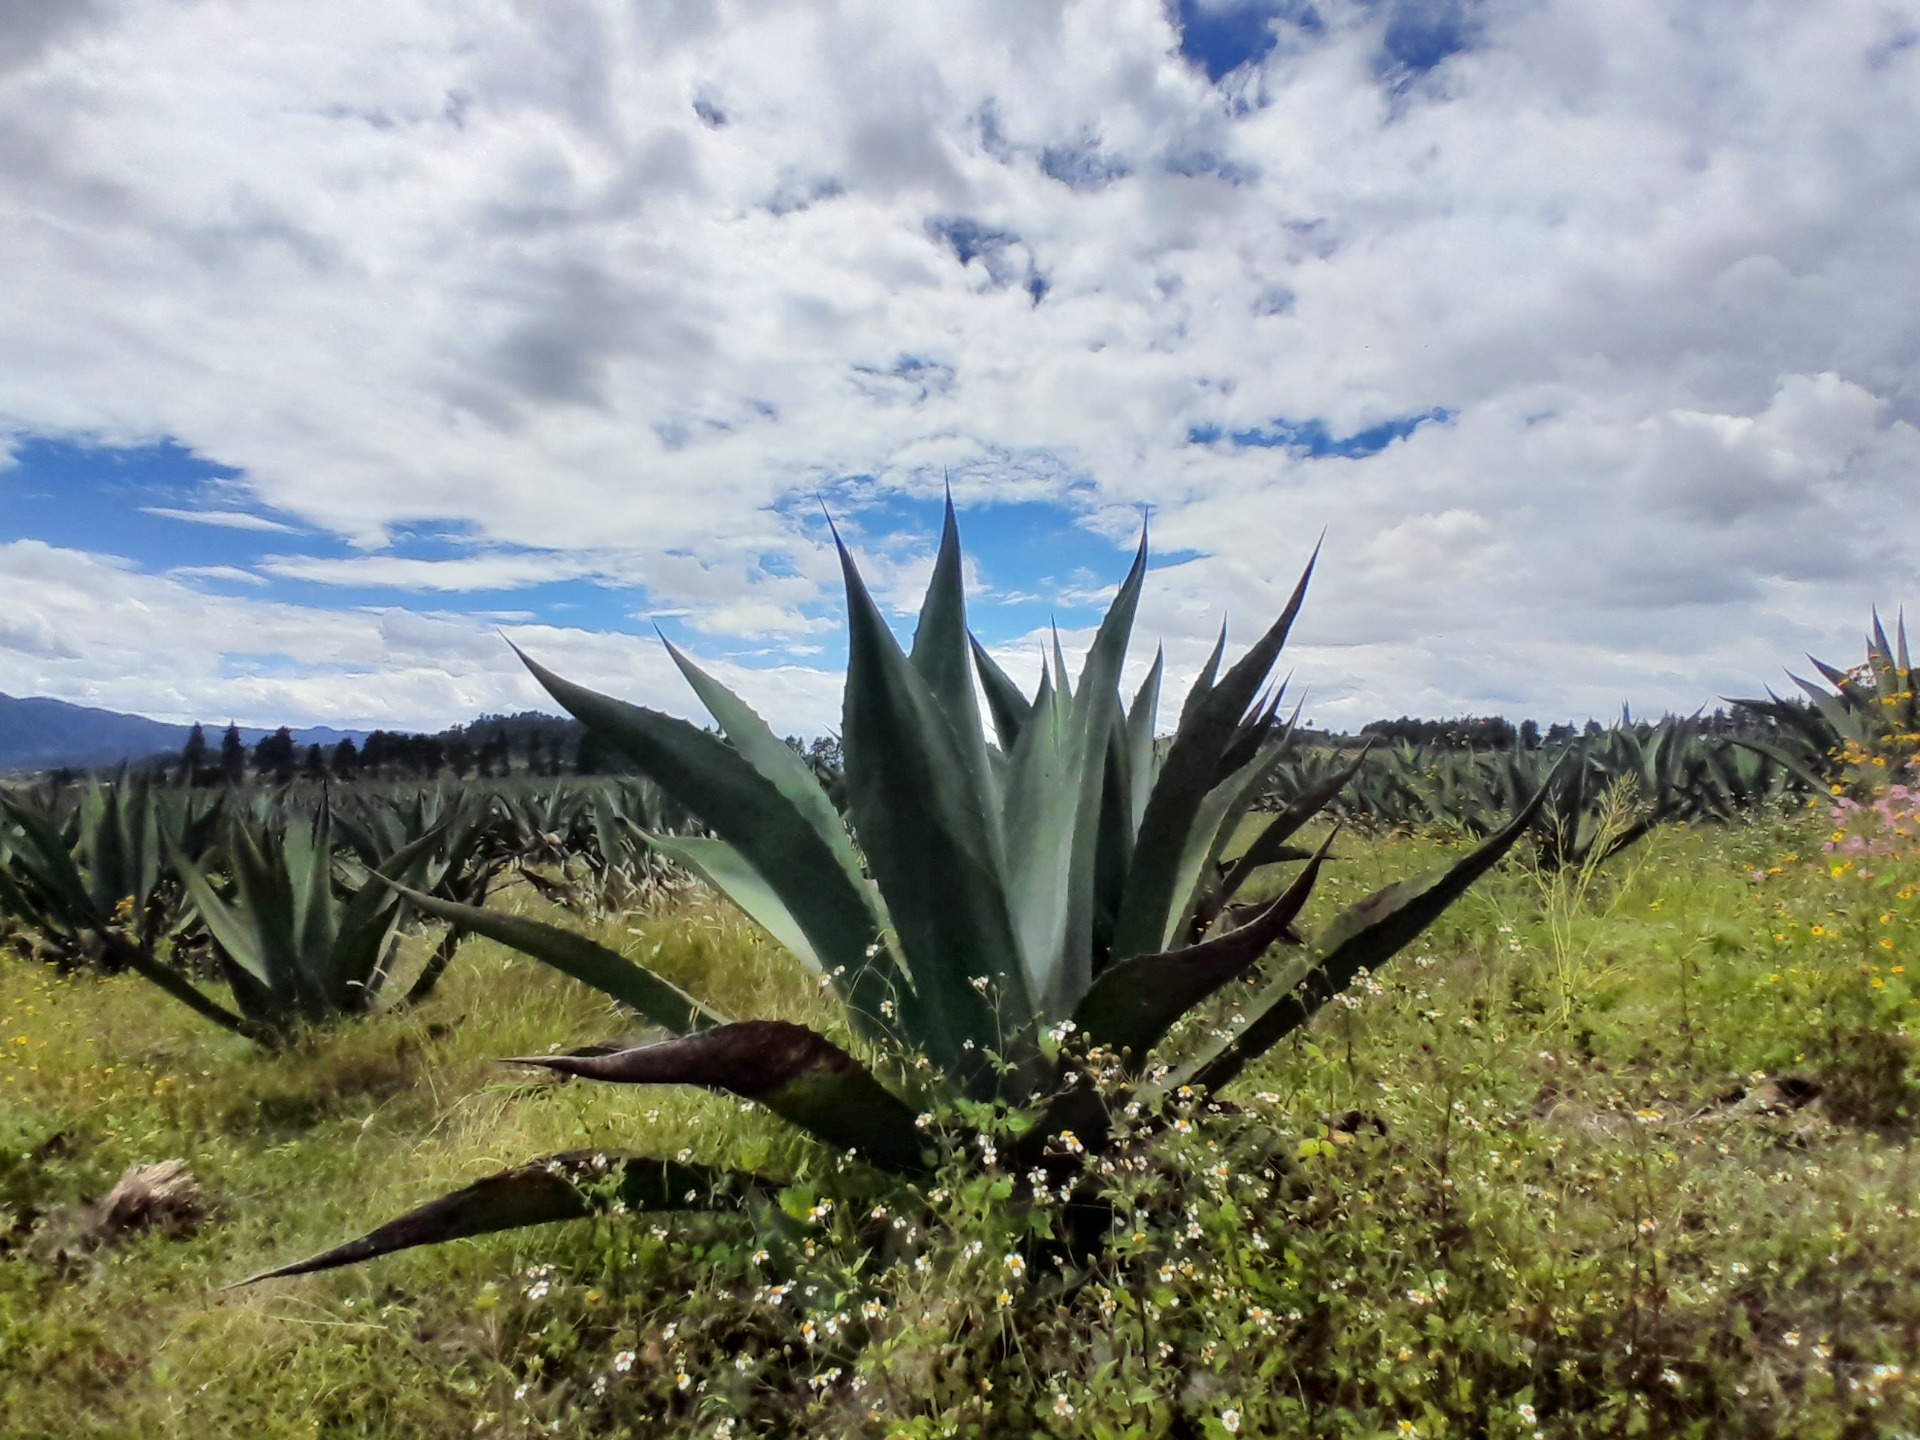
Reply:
x=1207, y=727
x=1363, y=938
x=799, y=1075
x=1005, y=703
x=717, y=783
x=562, y=1187
x=934, y=848
x=940, y=651
x=574, y=955
x=1136, y=1001
x=1270, y=847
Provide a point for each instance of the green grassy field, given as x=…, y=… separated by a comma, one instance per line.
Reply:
x=1542, y=1176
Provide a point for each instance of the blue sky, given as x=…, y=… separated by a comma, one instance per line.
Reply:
x=169, y=513
x=346, y=341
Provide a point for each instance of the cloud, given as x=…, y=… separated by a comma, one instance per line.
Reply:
x=393, y=572
x=85, y=630
x=29, y=28
x=231, y=573
x=616, y=292
x=222, y=519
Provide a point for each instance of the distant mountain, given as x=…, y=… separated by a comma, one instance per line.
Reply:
x=40, y=734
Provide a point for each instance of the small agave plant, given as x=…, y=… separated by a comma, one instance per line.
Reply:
x=1014, y=926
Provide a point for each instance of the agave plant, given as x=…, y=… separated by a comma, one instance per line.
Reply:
x=1871, y=717
x=1662, y=765
x=97, y=883
x=292, y=950
x=1012, y=923
x=625, y=866
x=459, y=864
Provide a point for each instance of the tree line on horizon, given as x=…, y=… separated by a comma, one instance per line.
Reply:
x=534, y=744
x=491, y=747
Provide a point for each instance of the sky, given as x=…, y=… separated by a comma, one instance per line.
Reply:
x=345, y=343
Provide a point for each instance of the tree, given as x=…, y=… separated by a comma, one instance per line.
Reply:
x=316, y=768
x=193, y=759
x=594, y=756
x=496, y=756
x=233, y=757
x=346, y=760
x=275, y=756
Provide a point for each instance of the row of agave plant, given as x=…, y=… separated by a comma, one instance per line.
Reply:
x=1015, y=926
x=281, y=901
x=1850, y=740
x=1673, y=771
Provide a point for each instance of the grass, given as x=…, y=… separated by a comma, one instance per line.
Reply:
x=1528, y=1182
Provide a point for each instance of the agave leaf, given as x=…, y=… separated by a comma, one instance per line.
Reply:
x=798, y=1074
x=352, y=961
x=1362, y=938
x=722, y=867
x=143, y=839
x=662, y=1002
x=1252, y=735
x=714, y=781
x=1843, y=682
x=1042, y=806
x=934, y=849
x=1098, y=719
x=308, y=856
x=569, y=1186
x=1005, y=703
x=1113, y=844
x=1054, y=790
x=1271, y=844
x=1203, y=682
x=1208, y=725
x=940, y=653
x=1136, y=1001
x=1141, y=718
x=1211, y=829
x=776, y=760
x=103, y=840
x=264, y=910
x=239, y=941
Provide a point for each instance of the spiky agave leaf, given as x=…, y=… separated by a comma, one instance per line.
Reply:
x=1056, y=805
x=569, y=1186
x=778, y=840
x=798, y=1074
x=1209, y=722
x=587, y=961
x=1136, y=1001
x=1363, y=937
x=936, y=853
x=1270, y=846
x=1005, y=703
